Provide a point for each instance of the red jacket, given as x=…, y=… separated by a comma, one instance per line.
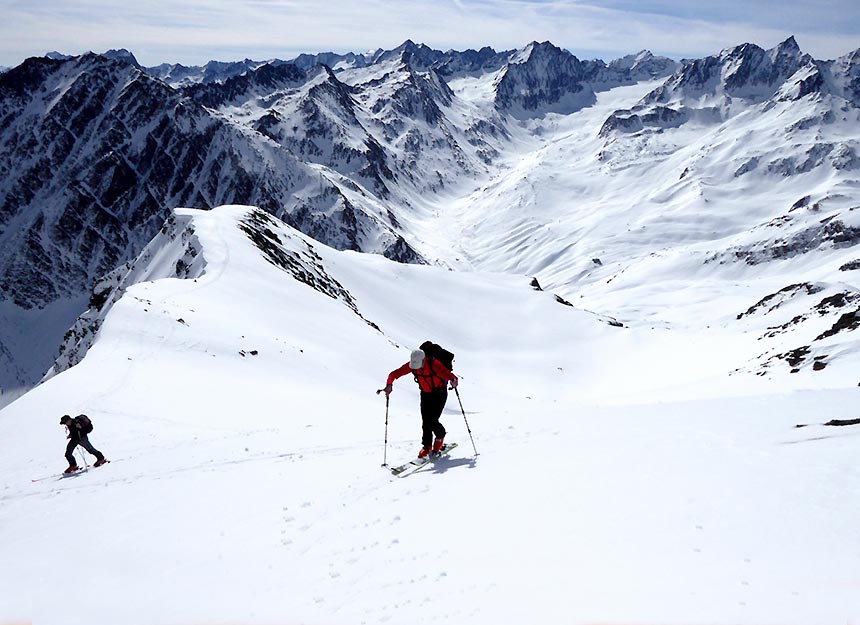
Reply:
x=432, y=375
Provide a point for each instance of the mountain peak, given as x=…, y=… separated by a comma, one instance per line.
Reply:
x=789, y=45
x=122, y=55
x=536, y=50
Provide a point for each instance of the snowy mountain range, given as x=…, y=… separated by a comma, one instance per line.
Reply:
x=647, y=271
x=376, y=152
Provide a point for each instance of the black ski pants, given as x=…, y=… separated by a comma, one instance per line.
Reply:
x=432, y=405
x=86, y=444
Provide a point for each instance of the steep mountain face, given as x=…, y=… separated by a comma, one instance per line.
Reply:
x=123, y=55
x=236, y=90
x=174, y=252
x=842, y=77
x=312, y=114
x=638, y=67
x=177, y=75
x=388, y=127
x=747, y=72
x=410, y=114
x=337, y=62
x=94, y=154
x=419, y=56
x=543, y=78
x=718, y=87
x=472, y=62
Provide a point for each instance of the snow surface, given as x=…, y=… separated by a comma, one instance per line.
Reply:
x=624, y=476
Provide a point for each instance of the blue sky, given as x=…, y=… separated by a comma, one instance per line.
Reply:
x=195, y=31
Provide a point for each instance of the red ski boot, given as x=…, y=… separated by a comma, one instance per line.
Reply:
x=70, y=470
x=425, y=451
x=437, y=448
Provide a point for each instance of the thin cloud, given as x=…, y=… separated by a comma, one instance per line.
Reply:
x=195, y=31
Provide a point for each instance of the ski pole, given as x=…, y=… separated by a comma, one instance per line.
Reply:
x=385, y=452
x=84, y=458
x=468, y=429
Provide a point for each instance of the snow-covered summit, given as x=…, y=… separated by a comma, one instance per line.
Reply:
x=122, y=55
x=745, y=71
x=642, y=66
x=542, y=78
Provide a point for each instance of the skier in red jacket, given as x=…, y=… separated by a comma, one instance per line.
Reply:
x=432, y=377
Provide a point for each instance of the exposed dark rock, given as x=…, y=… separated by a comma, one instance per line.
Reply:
x=748, y=166
x=801, y=203
x=746, y=71
x=775, y=300
x=265, y=79
x=115, y=152
x=847, y=322
x=658, y=117
x=543, y=78
x=796, y=356
x=304, y=265
x=830, y=232
x=838, y=300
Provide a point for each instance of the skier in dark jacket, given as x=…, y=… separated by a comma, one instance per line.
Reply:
x=432, y=377
x=78, y=436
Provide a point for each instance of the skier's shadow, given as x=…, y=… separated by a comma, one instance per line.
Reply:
x=823, y=437
x=444, y=464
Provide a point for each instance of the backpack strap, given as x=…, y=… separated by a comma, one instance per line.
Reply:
x=432, y=375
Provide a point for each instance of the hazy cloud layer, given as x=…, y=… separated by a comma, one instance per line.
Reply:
x=195, y=31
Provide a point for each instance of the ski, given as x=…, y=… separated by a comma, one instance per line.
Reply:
x=63, y=476
x=417, y=463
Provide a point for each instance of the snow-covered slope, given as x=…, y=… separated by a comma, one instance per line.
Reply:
x=623, y=476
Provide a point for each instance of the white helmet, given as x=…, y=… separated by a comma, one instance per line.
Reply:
x=416, y=359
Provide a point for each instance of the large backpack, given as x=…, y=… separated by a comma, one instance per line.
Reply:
x=86, y=424
x=432, y=350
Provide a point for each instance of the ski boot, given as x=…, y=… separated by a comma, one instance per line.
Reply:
x=100, y=462
x=70, y=470
x=437, y=448
x=425, y=451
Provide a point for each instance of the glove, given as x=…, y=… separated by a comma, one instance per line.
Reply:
x=453, y=383
x=388, y=388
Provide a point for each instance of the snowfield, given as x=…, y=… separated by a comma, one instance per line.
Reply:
x=625, y=474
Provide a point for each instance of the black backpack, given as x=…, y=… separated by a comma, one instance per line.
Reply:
x=85, y=423
x=432, y=350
